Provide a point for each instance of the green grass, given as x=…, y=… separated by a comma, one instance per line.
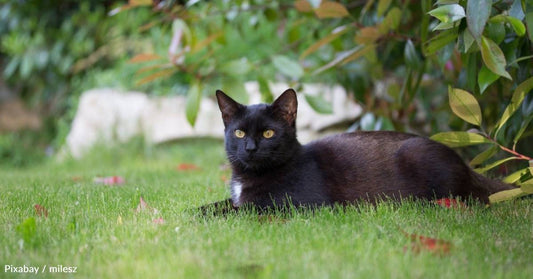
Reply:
x=96, y=229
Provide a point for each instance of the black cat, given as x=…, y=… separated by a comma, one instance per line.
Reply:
x=271, y=168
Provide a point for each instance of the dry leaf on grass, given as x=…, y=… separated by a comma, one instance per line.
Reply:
x=40, y=211
x=76, y=178
x=422, y=243
x=187, y=167
x=450, y=203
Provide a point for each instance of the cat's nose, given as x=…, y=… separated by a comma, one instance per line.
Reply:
x=250, y=146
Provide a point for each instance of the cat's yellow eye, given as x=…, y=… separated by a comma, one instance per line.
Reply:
x=239, y=133
x=268, y=134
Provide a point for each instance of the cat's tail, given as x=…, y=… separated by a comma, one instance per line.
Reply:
x=483, y=187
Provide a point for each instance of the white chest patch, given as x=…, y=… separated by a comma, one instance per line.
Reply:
x=236, y=190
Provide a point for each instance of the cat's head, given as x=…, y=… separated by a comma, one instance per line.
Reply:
x=262, y=136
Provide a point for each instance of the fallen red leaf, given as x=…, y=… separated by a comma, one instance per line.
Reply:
x=224, y=178
x=430, y=244
x=187, y=167
x=76, y=178
x=40, y=211
x=110, y=180
x=450, y=203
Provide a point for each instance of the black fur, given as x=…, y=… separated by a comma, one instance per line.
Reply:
x=340, y=169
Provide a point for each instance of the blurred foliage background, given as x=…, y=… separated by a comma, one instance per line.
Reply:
x=415, y=66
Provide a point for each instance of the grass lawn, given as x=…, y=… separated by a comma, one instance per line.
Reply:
x=97, y=229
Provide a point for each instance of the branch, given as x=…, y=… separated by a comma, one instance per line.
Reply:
x=518, y=155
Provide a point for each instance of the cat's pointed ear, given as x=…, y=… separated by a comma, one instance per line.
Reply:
x=286, y=106
x=227, y=106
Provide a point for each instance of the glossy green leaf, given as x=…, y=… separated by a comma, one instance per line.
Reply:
x=448, y=13
x=319, y=104
x=444, y=2
x=524, y=125
x=484, y=156
x=477, y=14
x=515, y=176
x=485, y=78
x=518, y=27
x=493, y=57
x=506, y=195
x=471, y=66
x=516, y=100
x=494, y=164
x=464, y=105
x=468, y=40
x=26, y=66
x=236, y=90
x=391, y=21
x=459, y=139
x=383, y=5
x=527, y=187
x=438, y=42
x=445, y=25
x=271, y=14
x=237, y=67
x=337, y=32
x=192, y=105
x=411, y=57
x=288, y=66
x=495, y=32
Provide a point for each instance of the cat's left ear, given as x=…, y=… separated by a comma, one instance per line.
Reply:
x=286, y=106
x=228, y=106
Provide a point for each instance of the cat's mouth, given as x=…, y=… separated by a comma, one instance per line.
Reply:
x=252, y=161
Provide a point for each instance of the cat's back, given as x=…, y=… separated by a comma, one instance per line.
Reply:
x=362, y=142
x=367, y=164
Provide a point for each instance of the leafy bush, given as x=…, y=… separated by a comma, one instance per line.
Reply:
x=397, y=58
x=493, y=34
x=21, y=149
x=51, y=51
